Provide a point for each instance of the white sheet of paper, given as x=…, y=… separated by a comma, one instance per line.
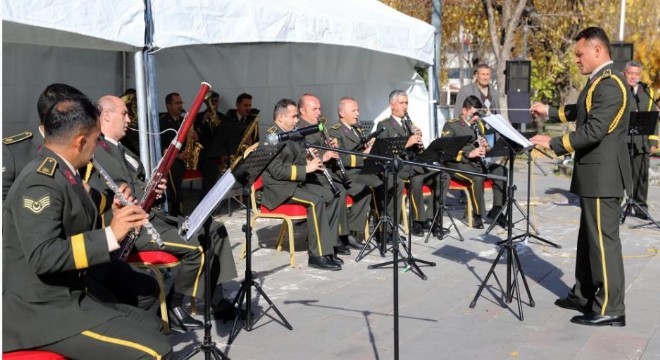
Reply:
x=209, y=203
x=502, y=126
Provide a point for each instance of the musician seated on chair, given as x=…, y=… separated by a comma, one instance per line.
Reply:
x=363, y=186
x=212, y=128
x=52, y=244
x=309, y=107
x=124, y=166
x=399, y=125
x=471, y=158
x=239, y=121
x=285, y=183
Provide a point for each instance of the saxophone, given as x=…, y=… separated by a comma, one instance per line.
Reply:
x=192, y=150
x=250, y=136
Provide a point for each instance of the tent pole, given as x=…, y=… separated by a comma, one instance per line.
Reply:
x=142, y=111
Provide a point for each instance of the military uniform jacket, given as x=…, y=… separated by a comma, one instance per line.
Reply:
x=456, y=128
x=392, y=129
x=643, y=101
x=348, y=138
x=48, y=244
x=237, y=127
x=285, y=173
x=215, y=139
x=602, y=113
x=18, y=151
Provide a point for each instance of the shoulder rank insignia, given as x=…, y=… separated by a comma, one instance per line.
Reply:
x=607, y=73
x=17, y=138
x=47, y=167
x=37, y=206
x=272, y=130
x=335, y=126
x=452, y=120
x=445, y=133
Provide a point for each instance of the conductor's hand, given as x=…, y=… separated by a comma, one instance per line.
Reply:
x=126, y=219
x=313, y=165
x=414, y=140
x=541, y=140
x=539, y=110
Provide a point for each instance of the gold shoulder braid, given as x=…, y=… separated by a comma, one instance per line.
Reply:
x=335, y=126
x=17, y=138
x=47, y=167
x=272, y=130
x=606, y=75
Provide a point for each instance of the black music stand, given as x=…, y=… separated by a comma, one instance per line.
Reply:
x=642, y=123
x=439, y=151
x=246, y=172
x=389, y=148
x=366, y=127
x=513, y=261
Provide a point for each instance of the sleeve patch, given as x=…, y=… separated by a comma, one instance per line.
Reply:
x=36, y=206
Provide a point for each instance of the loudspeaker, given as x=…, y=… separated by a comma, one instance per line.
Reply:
x=517, y=103
x=518, y=74
x=621, y=54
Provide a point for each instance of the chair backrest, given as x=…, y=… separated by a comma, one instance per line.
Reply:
x=257, y=186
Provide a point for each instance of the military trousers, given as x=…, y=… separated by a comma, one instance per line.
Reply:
x=322, y=216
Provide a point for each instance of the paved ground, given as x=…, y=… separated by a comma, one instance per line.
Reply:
x=349, y=314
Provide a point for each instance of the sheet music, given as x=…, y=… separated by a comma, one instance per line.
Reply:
x=503, y=127
x=208, y=204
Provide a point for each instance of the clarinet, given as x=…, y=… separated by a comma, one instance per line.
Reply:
x=409, y=125
x=482, y=158
x=126, y=246
x=333, y=186
x=340, y=164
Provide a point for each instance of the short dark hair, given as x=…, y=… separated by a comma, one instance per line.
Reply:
x=481, y=66
x=168, y=98
x=242, y=97
x=214, y=95
x=472, y=102
x=51, y=95
x=594, y=33
x=69, y=117
x=282, y=106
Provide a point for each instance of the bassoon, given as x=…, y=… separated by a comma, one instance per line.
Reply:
x=173, y=150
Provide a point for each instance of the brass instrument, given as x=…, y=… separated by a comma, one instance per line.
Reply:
x=250, y=136
x=412, y=129
x=191, y=151
x=132, y=138
x=211, y=115
x=327, y=142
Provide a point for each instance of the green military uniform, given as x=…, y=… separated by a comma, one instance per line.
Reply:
x=642, y=100
x=459, y=127
x=17, y=151
x=319, y=178
x=417, y=175
x=284, y=182
x=188, y=281
x=600, y=175
x=362, y=185
x=214, y=139
x=49, y=250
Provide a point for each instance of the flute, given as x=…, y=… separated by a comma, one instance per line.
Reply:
x=126, y=246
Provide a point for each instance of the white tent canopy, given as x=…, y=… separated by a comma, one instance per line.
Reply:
x=269, y=48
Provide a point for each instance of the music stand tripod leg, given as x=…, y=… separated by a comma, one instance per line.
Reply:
x=244, y=293
x=438, y=216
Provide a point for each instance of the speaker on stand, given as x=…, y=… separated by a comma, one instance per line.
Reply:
x=621, y=53
x=518, y=85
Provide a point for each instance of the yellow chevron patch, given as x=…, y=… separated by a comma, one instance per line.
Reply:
x=37, y=206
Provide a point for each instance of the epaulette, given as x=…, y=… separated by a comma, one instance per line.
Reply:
x=48, y=167
x=17, y=138
x=607, y=74
x=335, y=126
x=452, y=120
x=272, y=130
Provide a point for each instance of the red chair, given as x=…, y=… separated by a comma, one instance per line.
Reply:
x=286, y=212
x=463, y=186
x=32, y=355
x=192, y=176
x=155, y=261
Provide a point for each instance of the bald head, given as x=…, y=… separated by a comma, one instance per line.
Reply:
x=309, y=107
x=114, y=117
x=348, y=111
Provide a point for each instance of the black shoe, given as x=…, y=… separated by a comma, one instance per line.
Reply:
x=342, y=250
x=181, y=319
x=335, y=259
x=321, y=262
x=594, y=319
x=352, y=242
x=418, y=228
x=477, y=223
x=224, y=310
x=501, y=221
x=494, y=211
x=567, y=303
x=640, y=215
